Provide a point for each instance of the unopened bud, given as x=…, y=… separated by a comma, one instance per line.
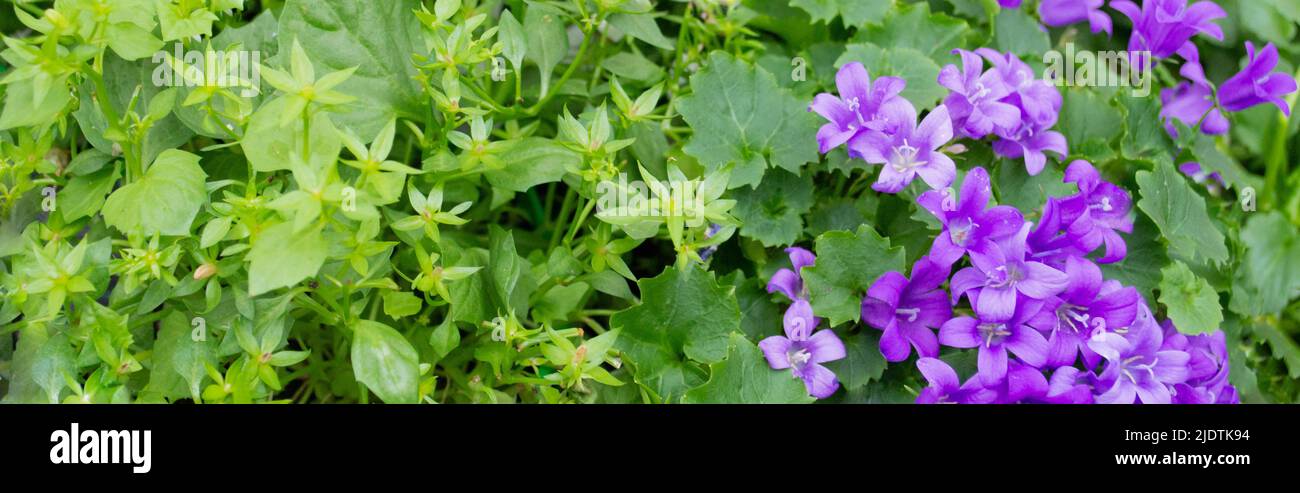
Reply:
x=204, y=271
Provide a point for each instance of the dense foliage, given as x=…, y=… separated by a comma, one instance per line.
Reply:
x=618, y=201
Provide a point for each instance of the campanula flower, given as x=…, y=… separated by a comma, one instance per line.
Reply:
x=861, y=108
x=1097, y=213
x=1069, y=385
x=1193, y=104
x=1039, y=101
x=1031, y=142
x=968, y=225
x=1257, y=83
x=789, y=281
x=995, y=336
x=1207, y=367
x=1162, y=27
x=1005, y=275
x=1211, y=179
x=1058, y=13
x=1137, y=369
x=946, y=388
x=912, y=150
x=803, y=351
x=1088, y=303
x=975, y=103
x=908, y=311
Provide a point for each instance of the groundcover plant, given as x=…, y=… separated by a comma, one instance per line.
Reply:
x=630, y=201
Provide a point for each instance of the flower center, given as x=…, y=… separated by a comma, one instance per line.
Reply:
x=1132, y=367
x=910, y=312
x=905, y=157
x=960, y=231
x=1004, y=275
x=991, y=331
x=1073, y=316
x=798, y=357
x=1104, y=204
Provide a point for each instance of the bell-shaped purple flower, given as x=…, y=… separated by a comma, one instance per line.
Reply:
x=1069, y=385
x=912, y=150
x=861, y=107
x=908, y=311
x=1039, y=101
x=1162, y=27
x=995, y=336
x=1257, y=83
x=1193, y=104
x=968, y=225
x=946, y=388
x=789, y=281
x=1097, y=214
x=1207, y=367
x=803, y=351
x=1003, y=276
x=1058, y=13
x=1137, y=369
x=1031, y=142
x=1088, y=303
x=974, y=103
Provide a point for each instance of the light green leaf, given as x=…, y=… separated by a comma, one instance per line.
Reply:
x=1189, y=300
x=855, y=13
x=532, y=161
x=772, y=213
x=1017, y=32
x=398, y=304
x=642, y=27
x=85, y=193
x=1272, y=265
x=282, y=258
x=911, y=25
x=548, y=43
x=165, y=200
x=386, y=362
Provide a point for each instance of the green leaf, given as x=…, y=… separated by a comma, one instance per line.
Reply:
x=125, y=81
x=548, y=42
x=398, y=304
x=282, y=258
x=862, y=363
x=270, y=147
x=513, y=44
x=85, y=194
x=855, y=13
x=165, y=200
x=1090, y=122
x=39, y=364
x=911, y=25
x=1272, y=264
x=1028, y=193
x=1017, y=32
x=1141, y=266
x=642, y=27
x=683, y=319
x=386, y=362
x=1180, y=214
x=1144, y=132
x=740, y=115
x=376, y=38
x=22, y=109
x=1189, y=300
x=759, y=316
x=560, y=301
x=772, y=213
x=745, y=378
x=180, y=359
x=920, y=72
x=532, y=161
x=847, y=264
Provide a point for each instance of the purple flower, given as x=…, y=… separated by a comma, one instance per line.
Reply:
x=1193, y=104
x=804, y=351
x=967, y=225
x=912, y=150
x=860, y=108
x=1023, y=383
x=1136, y=366
x=1009, y=4
x=788, y=281
x=1038, y=100
x=1089, y=303
x=1256, y=83
x=1097, y=212
x=1207, y=367
x=1058, y=13
x=1031, y=142
x=1002, y=275
x=908, y=311
x=1069, y=385
x=975, y=102
x=1162, y=27
x=946, y=388
x=994, y=336
x=1212, y=179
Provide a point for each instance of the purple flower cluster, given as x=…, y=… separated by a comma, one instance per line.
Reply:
x=1040, y=307
x=1005, y=101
